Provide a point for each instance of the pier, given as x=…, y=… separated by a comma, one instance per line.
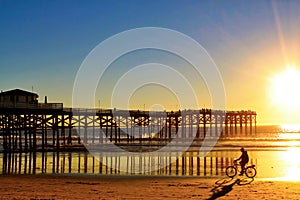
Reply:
x=51, y=127
x=28, y=126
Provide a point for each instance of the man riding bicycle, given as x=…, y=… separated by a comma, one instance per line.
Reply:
x=244, y=160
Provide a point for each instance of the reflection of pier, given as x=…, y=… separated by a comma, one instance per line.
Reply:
x=52, y=127
x=83, y=163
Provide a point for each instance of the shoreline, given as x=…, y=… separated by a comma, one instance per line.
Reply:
x=142, y=187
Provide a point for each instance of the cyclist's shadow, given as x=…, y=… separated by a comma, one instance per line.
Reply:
x=225, y=185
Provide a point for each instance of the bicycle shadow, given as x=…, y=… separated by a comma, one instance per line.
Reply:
x=225, y=185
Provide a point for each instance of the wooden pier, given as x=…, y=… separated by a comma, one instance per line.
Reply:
x=51, y=127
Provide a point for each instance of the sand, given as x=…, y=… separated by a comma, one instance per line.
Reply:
x=138, y=187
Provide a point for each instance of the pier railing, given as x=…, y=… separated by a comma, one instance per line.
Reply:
x=7, y=105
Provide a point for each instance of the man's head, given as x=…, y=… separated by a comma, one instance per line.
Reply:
x=242, y=149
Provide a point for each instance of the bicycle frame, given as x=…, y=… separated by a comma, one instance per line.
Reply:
x=237, y=165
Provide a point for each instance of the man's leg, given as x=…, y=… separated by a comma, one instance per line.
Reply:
x=242, y=168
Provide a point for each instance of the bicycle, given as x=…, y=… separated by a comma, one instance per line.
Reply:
x=232, y=170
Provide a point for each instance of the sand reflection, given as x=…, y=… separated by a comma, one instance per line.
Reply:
x=271, y=163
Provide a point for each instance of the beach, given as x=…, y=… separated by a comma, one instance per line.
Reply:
x=143, y=187
x=82, y=175
x=79, y=175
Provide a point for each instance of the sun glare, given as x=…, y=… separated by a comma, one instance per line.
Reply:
x=285, y=89
x=292, y=169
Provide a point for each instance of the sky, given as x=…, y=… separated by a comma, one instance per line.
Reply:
x=44, y=43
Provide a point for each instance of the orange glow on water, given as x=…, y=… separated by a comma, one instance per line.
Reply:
x=290, y=132
x=291, y=127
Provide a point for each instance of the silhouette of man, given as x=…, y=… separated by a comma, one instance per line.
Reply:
x=244, y=159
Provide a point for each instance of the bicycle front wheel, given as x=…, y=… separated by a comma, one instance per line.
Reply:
x=250, y=172
x=231, y=171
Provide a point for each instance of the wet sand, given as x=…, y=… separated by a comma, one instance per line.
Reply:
x=142, y=187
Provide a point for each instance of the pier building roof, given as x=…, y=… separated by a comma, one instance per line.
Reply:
x=18, y=92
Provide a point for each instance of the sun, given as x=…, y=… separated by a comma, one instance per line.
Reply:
x=285, y=89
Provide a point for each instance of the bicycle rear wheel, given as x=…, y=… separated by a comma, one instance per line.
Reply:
x=250, y=172
x=231, y=171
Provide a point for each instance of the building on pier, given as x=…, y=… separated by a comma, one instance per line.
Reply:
x=17, y=97
x=22, y=99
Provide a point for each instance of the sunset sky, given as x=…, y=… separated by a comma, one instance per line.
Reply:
x=255, y=45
